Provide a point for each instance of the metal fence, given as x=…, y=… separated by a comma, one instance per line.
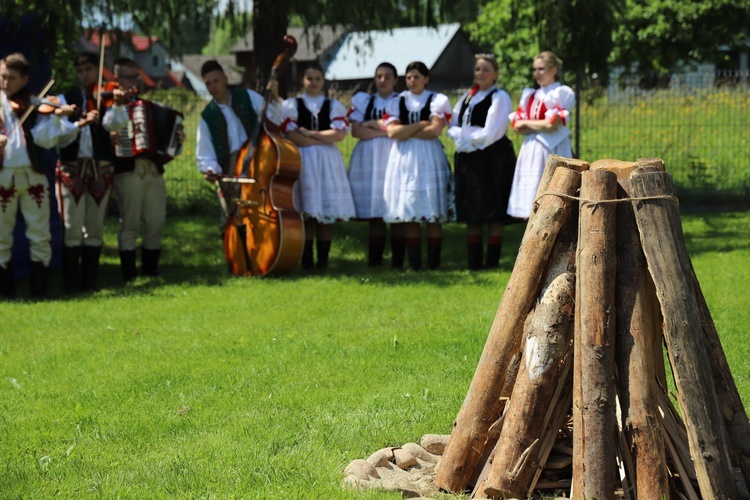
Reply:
x=697, y=123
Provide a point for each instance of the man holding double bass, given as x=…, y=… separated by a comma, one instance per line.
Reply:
x=226, y=123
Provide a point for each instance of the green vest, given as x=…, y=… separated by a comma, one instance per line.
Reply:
x=217, y=124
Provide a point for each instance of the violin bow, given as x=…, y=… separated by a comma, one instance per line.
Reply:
x=31, y=107
x=101, y=71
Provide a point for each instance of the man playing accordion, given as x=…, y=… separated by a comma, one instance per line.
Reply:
x=139, y=174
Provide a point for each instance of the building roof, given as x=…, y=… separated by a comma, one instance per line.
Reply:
x=362, y=51
x=193, y=63
x=311, y=41
x=140, y=43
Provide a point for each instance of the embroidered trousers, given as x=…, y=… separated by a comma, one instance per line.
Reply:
x=22, y=187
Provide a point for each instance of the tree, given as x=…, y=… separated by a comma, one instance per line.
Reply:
x=579, y=31
x=657, y=36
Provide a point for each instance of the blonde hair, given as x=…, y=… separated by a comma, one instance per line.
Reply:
x=550, y=60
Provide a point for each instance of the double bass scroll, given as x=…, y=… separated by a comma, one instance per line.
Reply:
x=265, y=234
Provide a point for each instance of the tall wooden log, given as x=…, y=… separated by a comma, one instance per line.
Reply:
x=548, y=344
x=730, y=404
x=482, y=403
x=669, y=264
x=594, y=438
x=638, y=341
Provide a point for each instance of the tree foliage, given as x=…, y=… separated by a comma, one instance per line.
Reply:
x=578, y=31
x=660, y=35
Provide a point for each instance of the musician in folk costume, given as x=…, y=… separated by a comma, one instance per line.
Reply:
x=23, y=182
x=484, y=161
x=139, y=180
x=226, y=124
x=542, y=117
x=84, y=177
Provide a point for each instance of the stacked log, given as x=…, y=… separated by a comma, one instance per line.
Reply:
x=602, y=285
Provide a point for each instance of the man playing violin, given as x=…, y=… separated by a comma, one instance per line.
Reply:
x=23, y=183
x=226, y=123
x=84, y=179
x=139, y=182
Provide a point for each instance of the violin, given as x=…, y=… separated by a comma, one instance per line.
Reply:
x=265, y=234
x=105, y=94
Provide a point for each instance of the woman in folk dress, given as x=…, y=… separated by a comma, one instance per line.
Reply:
x=542, y=117
x=368, y=162
x=418, y=179
x=484, y=161
x=315, y=124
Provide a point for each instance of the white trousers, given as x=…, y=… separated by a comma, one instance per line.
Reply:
x=142, y=199
x=23, y=187
x=83, y=192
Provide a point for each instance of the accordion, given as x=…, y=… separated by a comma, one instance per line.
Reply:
x=151, y=132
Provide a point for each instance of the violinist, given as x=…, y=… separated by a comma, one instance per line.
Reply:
x=139, y=182
x=84, y=179
x=23, y=183
x=226, y=123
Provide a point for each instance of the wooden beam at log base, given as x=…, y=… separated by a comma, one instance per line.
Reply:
x=481, y=405
x=730, y=404
x=669, y=264
x=638, y=349
x=548, y=344
x=594, y=438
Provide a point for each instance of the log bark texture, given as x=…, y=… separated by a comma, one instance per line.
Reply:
x=639, y=348
x=594, y=438
x=482, y=404
x=548, y=345
x=669, y=264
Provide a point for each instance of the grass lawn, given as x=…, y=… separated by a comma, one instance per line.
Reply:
x=198, y=384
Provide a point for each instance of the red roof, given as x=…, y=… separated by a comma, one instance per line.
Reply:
x=140, y=43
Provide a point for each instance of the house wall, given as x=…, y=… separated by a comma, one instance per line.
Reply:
x=153, y=61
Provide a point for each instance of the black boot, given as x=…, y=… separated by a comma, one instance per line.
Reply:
x=7, y=283
x=307, y=256
x=493, y=254
x=38, y=280
x=71, y=268
x=375, y=252
x=415, y=256
x=398, y=251
x=150, y=261
x=323, y=248
x=90, y=268
x=433, y=255
x=474, y=252
x=127, y=265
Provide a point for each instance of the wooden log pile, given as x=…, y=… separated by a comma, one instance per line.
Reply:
x=570, y=394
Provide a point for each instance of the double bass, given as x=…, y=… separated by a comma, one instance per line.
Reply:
x=265, y=234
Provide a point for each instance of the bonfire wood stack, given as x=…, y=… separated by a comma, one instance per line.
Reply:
x=570, y=391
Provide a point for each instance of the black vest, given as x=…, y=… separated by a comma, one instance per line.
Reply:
x=405, y=116
x=102, y=146
x=306, y=119
x=478, y=112
x=371, y=113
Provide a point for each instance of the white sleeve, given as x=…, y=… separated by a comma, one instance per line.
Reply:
x=69, y=130
x=289, y=115
x=205, y=155
x=496, y=125
x=520, y=113
x=359, y=107
x=338, y=116
x=441, y=107
x=560, y=102
x=115, y=118
x=392, y=110
x=47, y=131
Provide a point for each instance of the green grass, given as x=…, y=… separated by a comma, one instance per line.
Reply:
x=202, y=385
